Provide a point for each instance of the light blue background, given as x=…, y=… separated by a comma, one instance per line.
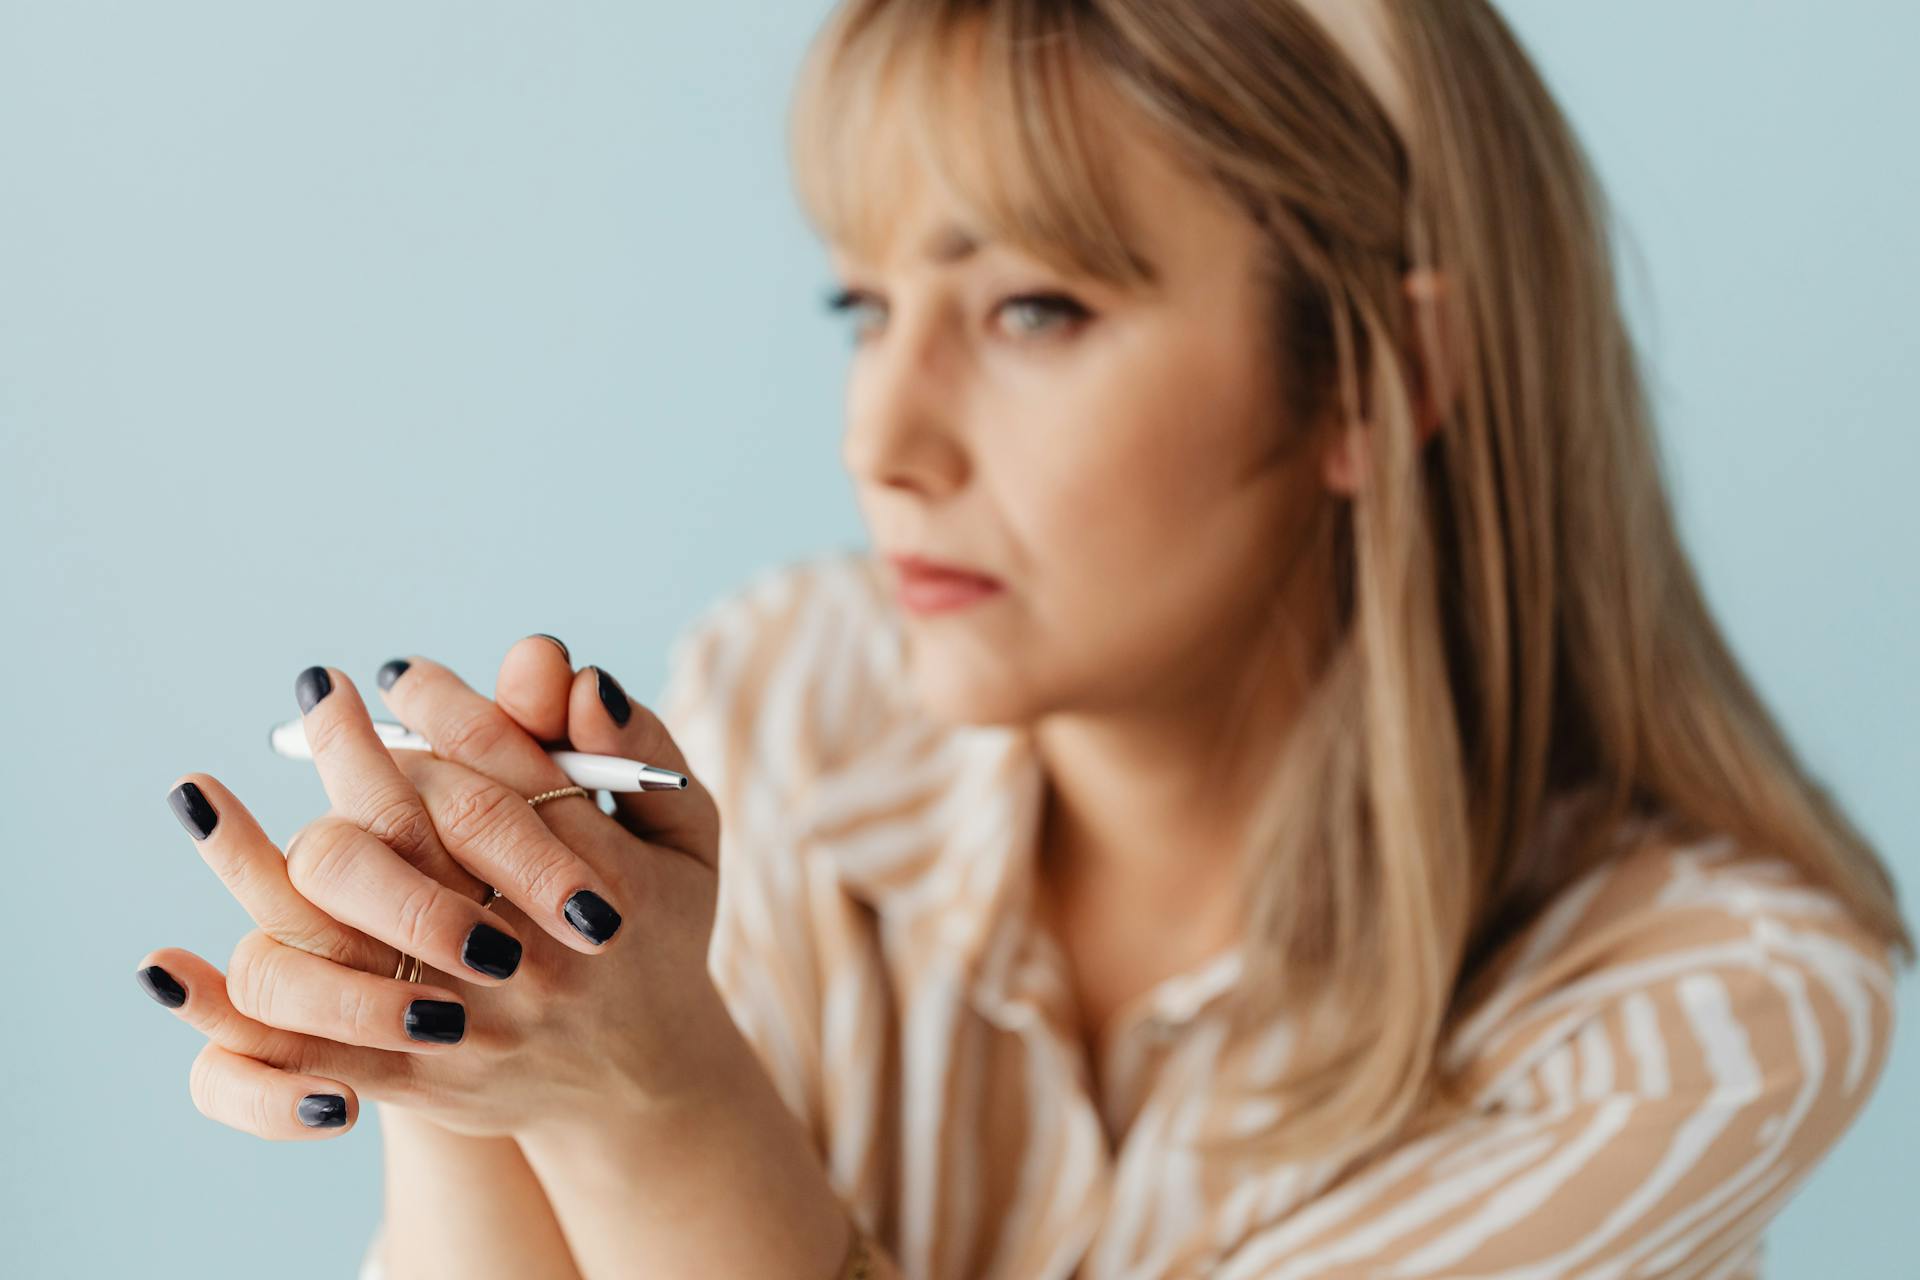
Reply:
x=332, y=332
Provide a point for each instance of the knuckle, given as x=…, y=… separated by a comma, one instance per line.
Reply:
x=415, y=918
x=476, y=811
x=201, y=1083
x=471, y=735
x=253, y=979
x=401, y=822
x=260, y=1112
x=546, y=876
x=355, y=1014
x=324, y=733
x=319, y=855
x=235, y=869
x=312, y=936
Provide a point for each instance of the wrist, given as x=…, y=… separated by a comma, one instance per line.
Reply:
x=717, y=1177
x=712, y=1068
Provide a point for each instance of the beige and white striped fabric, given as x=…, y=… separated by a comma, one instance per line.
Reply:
x=1673, y=1046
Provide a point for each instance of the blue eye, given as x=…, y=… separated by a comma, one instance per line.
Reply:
x=1045, y=312
x=1055, y=305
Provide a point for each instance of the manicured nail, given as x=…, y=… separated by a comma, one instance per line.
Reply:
x=588, y=912
x=161, y=985
x=391, y=672
x=487, y=950
x=191, y=807
x=556, y=639
x=310, y=686
x=612, y=697
x=437, y=1021
x=323, y=1111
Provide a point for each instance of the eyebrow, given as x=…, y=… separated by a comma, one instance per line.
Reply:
x=949, y=244
x=953, y=243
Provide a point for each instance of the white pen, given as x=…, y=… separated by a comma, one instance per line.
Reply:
x=583, y=768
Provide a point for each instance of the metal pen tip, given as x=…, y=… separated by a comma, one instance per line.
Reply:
x=654, y=778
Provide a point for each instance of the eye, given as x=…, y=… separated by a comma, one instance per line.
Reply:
x=848, y=301
x=1040, y=308
x=1037, y=314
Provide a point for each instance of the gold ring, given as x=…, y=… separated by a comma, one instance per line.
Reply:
x=412, y=967
x=555, y=794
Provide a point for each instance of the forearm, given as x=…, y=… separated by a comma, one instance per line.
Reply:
x=471, y=1207
x=724, y=1185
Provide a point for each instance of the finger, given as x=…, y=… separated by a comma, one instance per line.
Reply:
x=362, y=780
x=306, y=1075
x=246, y=1094
x=465, y=727
x=255, y=872
x=296, y=991
x=359, y=881
x=603, y=720
x=532, y=687
x=493, y=829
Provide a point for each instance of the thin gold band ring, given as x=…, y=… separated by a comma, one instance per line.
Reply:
x=410, y=965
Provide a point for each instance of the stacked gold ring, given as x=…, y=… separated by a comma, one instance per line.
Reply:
x=410, y=965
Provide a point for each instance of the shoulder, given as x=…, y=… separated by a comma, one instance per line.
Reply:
x=794, y=663
x=1676, y=1042
x=1696, y=965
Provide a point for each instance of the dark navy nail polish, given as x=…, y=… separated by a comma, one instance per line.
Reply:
x=487, y=950
x=588, y=912
x=189, y=804
x=323, y=1111
x=391, y=672
x=310, y=686
x=161, y=985
x=556, y=639
x=437, y=1021
x=612, y=697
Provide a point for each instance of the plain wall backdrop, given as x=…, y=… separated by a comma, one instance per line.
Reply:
x=333, y=332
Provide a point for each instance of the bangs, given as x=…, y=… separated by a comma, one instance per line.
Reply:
x=994, y=104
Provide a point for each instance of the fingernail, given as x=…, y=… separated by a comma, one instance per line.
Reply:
x=161, y=985
x=191, y=807
x=487, y=950
x=437, y=1021
x=612, y=697
x=323, y=1111
x=588, y=912
x=310, y=686
x=556, y=639
x=391, y=672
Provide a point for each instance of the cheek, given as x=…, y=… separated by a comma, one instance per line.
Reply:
x=1131, y=477
x=1151, y=515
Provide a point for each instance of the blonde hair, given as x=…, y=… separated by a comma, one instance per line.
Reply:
x=1518, y=618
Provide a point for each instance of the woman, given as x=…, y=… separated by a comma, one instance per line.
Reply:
x=1317, y=831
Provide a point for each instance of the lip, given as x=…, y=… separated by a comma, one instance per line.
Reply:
x=929, y=586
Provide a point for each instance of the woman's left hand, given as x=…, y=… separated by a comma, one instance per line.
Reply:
x=610, y=1005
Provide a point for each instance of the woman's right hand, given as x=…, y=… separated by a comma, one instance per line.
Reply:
x=273, y=1082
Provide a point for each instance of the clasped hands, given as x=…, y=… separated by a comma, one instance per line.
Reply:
x=583, y=987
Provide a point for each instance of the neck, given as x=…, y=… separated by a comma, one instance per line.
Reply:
x=1147, y=807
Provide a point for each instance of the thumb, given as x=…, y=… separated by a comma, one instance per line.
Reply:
x=604, y=720
x=532, y=687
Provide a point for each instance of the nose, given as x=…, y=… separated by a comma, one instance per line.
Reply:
x=904, y=398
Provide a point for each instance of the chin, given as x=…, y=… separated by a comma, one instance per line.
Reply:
x=957, y=692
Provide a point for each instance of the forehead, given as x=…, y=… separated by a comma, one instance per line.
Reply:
x=930, y=207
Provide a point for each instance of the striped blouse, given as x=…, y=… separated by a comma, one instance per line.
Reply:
x=1670, y=1049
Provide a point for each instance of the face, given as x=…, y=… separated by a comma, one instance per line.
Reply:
x=1115, y=458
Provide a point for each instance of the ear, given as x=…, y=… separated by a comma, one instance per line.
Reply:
x=1436, y=378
